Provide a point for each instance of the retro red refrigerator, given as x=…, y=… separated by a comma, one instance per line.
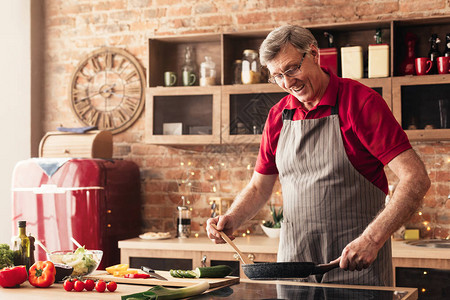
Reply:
x=95, y=201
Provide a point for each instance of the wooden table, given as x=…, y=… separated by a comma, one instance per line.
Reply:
x=56, y=291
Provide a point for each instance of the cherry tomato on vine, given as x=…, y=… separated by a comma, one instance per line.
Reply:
x=112, y=286
x=68, y=285
x=78, y=286
x=100, y=286
x=89, y=284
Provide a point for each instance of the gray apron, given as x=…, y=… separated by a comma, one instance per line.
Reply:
x=327, y=203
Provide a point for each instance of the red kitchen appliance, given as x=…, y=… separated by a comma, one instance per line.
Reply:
x=95, y=201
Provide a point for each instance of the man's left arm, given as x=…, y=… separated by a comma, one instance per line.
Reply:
x=412, y=187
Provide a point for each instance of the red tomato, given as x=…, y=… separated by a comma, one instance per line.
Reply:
x=78, y=286
x=100, y=286
x=68, y=285
x=112, y=286
x=89, y=285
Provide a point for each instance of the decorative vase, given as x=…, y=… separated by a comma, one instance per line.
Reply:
x=271, y=232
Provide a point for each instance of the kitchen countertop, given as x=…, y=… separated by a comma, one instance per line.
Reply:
x=248, y=289
x=400, y=249
x=263, y=244
x=256, y=243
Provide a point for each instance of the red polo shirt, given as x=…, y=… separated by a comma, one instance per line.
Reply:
x=371, y=135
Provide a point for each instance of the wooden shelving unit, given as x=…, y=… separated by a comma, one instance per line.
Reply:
x=221, y=106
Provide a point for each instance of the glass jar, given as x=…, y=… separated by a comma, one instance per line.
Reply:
x=237, y=70
x=183, y=222
x=207, y=72
x=188, y=69
x=251, y=69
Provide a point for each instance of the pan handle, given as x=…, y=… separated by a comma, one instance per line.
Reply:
x=323, y=268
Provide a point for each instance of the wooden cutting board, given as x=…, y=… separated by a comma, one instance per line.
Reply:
x=171, y=281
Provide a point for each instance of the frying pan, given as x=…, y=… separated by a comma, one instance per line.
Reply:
x=286, y=269
x=278, y=270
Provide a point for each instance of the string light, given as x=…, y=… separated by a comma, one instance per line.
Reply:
x=196, y=235
x=428, y=228
x=420, y=213
x=211, y=167
x=243, y=235
x=425, y=272
x=248, y=231
x=423, y=290
x=181, y=163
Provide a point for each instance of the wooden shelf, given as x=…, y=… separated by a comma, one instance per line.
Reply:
x=417, y=97
x=167, y=54
x=194, y=107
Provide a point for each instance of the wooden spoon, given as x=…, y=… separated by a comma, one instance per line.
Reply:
x=244, y=259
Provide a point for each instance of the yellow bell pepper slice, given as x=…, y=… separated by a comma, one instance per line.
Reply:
x=122, y=273
x=120, y=267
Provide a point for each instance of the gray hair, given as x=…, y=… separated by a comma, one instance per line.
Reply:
x=301, y=38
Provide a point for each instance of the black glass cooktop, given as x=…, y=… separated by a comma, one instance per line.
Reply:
x=261, y=291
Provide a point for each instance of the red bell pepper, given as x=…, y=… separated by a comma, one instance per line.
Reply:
x=13, y=277
x=42, y=274
x=136, y=276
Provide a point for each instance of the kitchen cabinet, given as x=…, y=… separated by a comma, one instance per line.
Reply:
x=427, y=269
x=193, y=111
x=423, y=102
x=190, y=253
x=245, y=109
x=223, y=105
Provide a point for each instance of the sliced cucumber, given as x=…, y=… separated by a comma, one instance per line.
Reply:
x=180, y=273
x=218, y=271
x=190, y=274
x=174, y=273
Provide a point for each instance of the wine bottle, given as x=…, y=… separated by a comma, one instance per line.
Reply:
x=447, y=45
x=434, y=52
x=22, y=246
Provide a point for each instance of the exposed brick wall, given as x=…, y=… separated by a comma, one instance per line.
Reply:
x=76, y=27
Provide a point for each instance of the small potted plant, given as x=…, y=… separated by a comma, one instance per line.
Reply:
x=272, y=228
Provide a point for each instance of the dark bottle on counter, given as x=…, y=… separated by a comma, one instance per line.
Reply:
x=447, y=45
x=434, y=52
x=22, y=247
x=32, y=248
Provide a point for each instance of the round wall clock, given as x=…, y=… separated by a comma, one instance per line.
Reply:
x=107, y=89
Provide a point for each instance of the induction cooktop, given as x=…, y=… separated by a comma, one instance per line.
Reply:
x=247, y=290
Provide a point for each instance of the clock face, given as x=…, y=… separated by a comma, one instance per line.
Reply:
x=107, y=90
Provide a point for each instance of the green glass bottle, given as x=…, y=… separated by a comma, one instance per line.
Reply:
x=22, y=246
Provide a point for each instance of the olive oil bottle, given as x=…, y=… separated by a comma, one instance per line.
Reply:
x=22, y=247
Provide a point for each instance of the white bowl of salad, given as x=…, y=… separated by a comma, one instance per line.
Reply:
x=82, y=261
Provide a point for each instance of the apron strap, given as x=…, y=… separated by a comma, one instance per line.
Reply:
x=288, y=114
x=335, y=108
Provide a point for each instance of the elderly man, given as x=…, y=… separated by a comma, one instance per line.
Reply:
x=328, y=142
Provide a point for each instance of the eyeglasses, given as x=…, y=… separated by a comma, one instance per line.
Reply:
x=278, y=78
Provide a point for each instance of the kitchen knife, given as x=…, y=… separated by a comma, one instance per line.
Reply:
x=152, y=273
